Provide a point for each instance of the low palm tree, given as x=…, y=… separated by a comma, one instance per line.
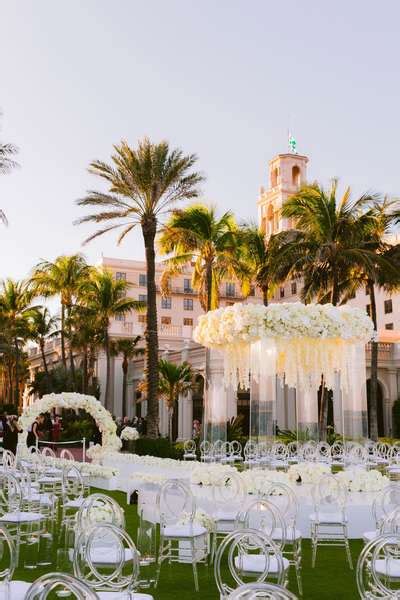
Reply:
x=196, y=234
x=128, y=347
x=62, y=278
x=42, y=327
x=175, y=380
x=325, y=248
x=106, y=297
x=143, y=184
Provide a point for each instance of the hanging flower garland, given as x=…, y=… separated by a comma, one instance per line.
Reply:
x=74, y=401
x=308, y=340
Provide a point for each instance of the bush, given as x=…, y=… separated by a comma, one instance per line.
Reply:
x=396, y=418
x=160, y=447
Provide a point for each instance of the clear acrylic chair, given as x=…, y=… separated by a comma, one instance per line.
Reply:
x=384, y=503
x=323, y=452
x=9, y=589
x=219, y=451
x=206, y=451
x=181, y=538
x=285, y=500
x=246, y=554
x=279, y=456
x=228, y=498
x=236, y=451
x=189, y=450
x=106, y=560
x=268, y=591
x=262, y=515
x=293, y=452
x=251, y=457
x=61, y=585
x=48, y=452
x=99, y=508
x=66, y=454
x=329, y=519
x=337, y=454
x=378, y=568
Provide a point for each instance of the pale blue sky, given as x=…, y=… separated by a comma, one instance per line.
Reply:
x=220, y=78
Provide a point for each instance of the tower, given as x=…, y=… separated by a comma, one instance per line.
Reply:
x=287, y=172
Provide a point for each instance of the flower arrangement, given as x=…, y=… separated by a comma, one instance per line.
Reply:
x=307, y=472
x=89, y=469
x=360, y=480
x=129, y=434
x=303, y=340
x=74, y=401
x=259, y=481
x=211, y=474
x=200, y=518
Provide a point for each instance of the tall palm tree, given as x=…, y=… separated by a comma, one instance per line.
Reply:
x=7, y=164
x=143, y=184
x=42, y=326
x=62, y=278
x=325, y=247
x=106, y=297
x=128, y=347
x=196, y=234
x=174, y=381
x=86, y=338
x=260, y=256
x=16, y=310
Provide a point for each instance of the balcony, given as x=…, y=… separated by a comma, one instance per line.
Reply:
x=385, y=351
x=130, y=328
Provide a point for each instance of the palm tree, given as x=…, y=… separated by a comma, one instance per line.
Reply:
x=174, y=381
x=7, y=151
x=129, y=350
x=143, y=184
x=15, y=310
x=62, y=278
x=326, y=246
x=259, y=254
x=197, y=234
x=106, y=297
x=86, y=338
x=42, y=326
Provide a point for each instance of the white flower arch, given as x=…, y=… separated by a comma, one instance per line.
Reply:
x=71, y=400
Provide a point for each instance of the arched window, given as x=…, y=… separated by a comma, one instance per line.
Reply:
x=296, y=176
x=274, y=177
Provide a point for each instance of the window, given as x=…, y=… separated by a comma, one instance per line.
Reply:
x=274, y=177
x=229, y=303
x=166, y=302
x=230, y=289
x=294, y=288
x=282, y=292
x=366, y=290
x=296, y=179
x=142, y=279
x=143, y=298
x=389, y=326
x=165, y=320
x=119, y=275
x=188, y=322
x=187, y=286
x=252, y=291
x=388, y=306
x=120, y=317
x=142, y=318
x=188, y=304
x=368, y=309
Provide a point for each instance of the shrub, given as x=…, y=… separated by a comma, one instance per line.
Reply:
x=396, y=418
x=160, y=447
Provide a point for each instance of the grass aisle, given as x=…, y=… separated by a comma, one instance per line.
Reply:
x=330, y=580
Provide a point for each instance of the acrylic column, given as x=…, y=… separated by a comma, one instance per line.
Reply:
x=263, y=382
x=219, y=401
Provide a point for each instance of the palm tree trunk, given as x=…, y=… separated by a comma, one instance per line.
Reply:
x=46, y=369
x=124, y=385
x=265, y=291
x=107, y=399
x=209, y=285
x=151, y=335
x=85, y=371
x=16, y=372
x=71, y=351
x=63, y=355
x=373, y=389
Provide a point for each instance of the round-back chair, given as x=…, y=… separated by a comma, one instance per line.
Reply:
x=268, y=591
x=378, y=568
x=99, y=508
x=59, y=584
x=66, y=454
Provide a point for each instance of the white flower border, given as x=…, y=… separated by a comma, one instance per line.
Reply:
x=74, y=401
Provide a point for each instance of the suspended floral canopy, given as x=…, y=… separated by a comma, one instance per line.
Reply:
x=74, y=401
x=297, y=342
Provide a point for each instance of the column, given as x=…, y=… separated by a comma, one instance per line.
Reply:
x=185, y=420
x=215, y=399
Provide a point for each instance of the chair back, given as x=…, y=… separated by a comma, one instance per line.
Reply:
x=48, y=452
x=228, y=492
x=174, y=502
x=262, y=515
x=329, y=495
x=99, y=509
x=189, y=447
x=106, y=559
x=72, y=483
x=337, y=451
x=236, y=448
x=8, y=555
x=385, y=502
x=10, y=493
x=206, y=450
x=323, y=452
x=250, y=450
x=377, y=568
x=8, y=460
x=254, y=591
x=66, y=454
x=59, y=584
x=235, y=549
x=285, y=500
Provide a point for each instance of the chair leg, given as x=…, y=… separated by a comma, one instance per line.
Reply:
x=194, y=565
x=297, y=557
x=349, y=559
x=314, y=541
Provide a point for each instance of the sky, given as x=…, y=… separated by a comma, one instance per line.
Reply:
x=223, y=79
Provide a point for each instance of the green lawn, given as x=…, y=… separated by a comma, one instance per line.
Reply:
x=331, y=579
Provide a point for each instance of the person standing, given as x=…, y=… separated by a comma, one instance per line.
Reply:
x=11, y=431
x=34, y=433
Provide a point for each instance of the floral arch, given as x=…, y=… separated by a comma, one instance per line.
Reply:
x=71, y=400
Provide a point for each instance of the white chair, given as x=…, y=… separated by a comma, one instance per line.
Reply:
x=228, y=497
x=14, y=590
x=279, y=456
x=189, y=450
x=206, y=451
x=293, y=452
x=378, y=568
x=251, y=458
x=250, y=555
x=236, y=451
x=66, y=454
x=48, y=452
x=106, y=560
x=285, y=500
x=384, y=503
x=329, y=519
x=254, y=591
x=99, y=508
x=337, y=454
x=323, y=452
x=180, y=542
x=61, y=585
